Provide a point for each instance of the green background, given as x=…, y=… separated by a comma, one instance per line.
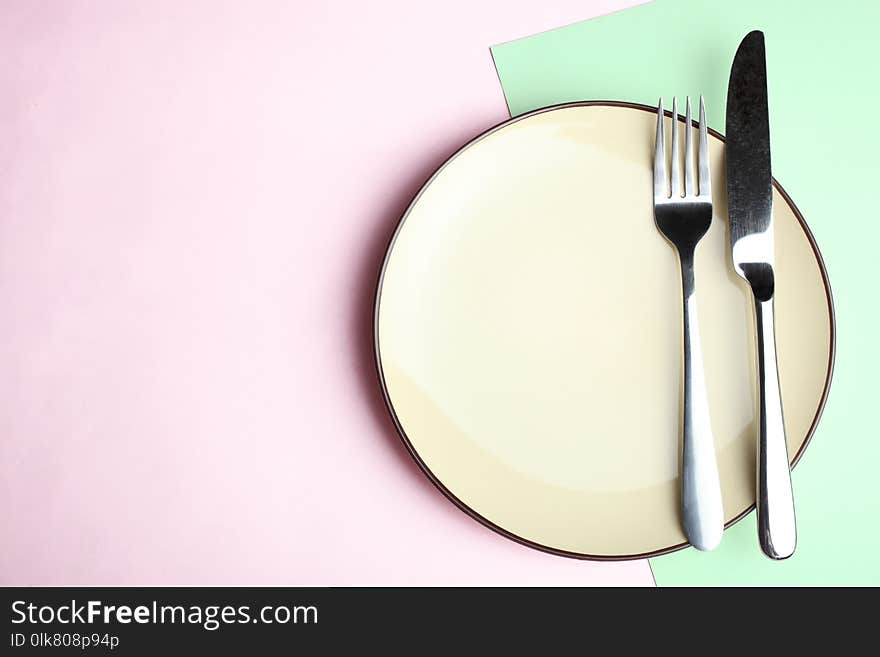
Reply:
x=824, y=87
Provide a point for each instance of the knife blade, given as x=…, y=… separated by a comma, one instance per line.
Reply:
x=750, y=216
x=749, y=180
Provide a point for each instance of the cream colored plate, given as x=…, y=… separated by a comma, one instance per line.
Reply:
x=528, y=335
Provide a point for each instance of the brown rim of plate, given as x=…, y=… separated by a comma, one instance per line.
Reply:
x=412, y=450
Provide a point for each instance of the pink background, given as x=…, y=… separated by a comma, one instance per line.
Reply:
x=194, y=202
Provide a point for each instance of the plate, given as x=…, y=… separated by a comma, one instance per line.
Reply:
x=528, y=335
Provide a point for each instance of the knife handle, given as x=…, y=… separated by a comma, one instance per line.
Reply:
x=777, y=531
x=701, y=507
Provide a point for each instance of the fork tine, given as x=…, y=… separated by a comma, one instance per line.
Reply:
x=675, y=181
x=705, y=177
x=660, y=155
x=689, y=189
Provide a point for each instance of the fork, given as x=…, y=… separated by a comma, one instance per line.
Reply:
x=683, y=216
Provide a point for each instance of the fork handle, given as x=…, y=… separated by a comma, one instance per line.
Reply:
x=777, y=531
x=702, y=511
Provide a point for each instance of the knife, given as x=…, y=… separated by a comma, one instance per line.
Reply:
x=750, y=210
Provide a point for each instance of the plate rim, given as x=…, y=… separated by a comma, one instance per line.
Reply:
x=377, y=357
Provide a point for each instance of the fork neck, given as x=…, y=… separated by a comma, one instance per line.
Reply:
x=686, y=258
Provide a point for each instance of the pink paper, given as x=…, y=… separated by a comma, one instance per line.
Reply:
x=194, y=202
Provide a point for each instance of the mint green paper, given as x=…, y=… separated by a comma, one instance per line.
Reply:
x=824, y=87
